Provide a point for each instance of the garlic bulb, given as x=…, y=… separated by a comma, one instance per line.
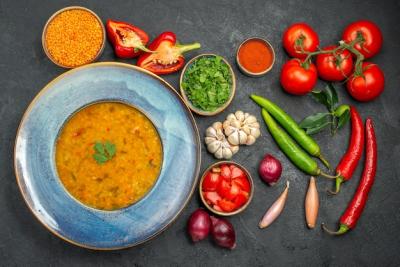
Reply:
x=217, y=144
x=241, y=128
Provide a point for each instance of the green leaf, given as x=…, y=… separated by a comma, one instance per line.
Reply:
x=332, y=97
x=321, y=97
x=100, y=158
x=314, y=120
x=317, y=128
x=343, y=119
x=110, y=148
x=99, y=148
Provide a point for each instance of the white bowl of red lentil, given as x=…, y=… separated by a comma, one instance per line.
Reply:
x=73, y=36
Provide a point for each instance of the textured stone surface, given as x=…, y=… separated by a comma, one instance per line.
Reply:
x=220, y=26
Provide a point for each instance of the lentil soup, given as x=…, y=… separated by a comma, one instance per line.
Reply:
x=102, y=177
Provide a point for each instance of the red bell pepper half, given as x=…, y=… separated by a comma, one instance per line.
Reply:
x=167, y=54
x=128, y=41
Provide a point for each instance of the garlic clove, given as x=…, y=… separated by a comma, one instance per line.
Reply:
x=218, y=154
x=250, y=140
x=234, y=138
x=239, y=115
x=214, y=146
x=242, y=137
x=227, y=153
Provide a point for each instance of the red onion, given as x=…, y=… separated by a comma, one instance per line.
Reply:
x=199, y=225
x=270, y=169
x=223, y=233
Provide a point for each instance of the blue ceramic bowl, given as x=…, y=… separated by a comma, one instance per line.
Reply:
x=35, y=156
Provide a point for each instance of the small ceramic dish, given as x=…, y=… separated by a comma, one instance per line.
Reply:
x=236, y=211
x=267, y=68
x=48, y=54
x=186, y=99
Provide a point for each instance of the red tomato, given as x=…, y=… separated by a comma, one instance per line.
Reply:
x=211, y=197
x=299, y=33
x=226, y=205
x=367, y=86
x=371, y=34
x=297, y=80
x=211, y=181
x=243, y=183
x=334, y=69
x=225, y=171
x=237, y=172
x=241, y=199
x=228, y=190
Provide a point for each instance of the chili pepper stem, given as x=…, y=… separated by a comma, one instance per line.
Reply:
x=324, y=161
x=342, y=229
x=187, y=47
x=339, y=181
x=327, y=175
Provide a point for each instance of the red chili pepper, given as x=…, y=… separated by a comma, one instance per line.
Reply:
x=350, y=159
x=356, y=206
x=128, y=41
x=167, y=57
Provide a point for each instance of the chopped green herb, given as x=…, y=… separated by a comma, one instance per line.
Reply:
x=104, y=151
x=208, y=82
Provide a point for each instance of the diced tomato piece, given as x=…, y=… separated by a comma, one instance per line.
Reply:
x=243, y=183
x=237, y=172
x=241, y=199
x=217, y=208
x=225, y=172
x=211, y=181
x=226, y=205
x=228, y=190
x=211, y=198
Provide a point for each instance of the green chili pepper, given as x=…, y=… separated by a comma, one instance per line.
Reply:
x=297, y=133
x=299, y=158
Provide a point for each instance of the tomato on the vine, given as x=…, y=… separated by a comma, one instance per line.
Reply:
x=368, y=85
x=371, y=35
x=298, y=78
x=334, y=67
x=300, y=35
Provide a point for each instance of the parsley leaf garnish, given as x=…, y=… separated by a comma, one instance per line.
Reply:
x=104, y=151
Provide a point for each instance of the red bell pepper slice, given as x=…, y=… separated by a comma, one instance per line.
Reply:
x=167, y=54
x=128, y=41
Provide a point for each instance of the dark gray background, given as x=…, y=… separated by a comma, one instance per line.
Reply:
x=219, y=26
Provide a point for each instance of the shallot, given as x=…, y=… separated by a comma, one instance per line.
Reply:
x=311, y=204
x=223, y=233
x=199, y=225
x=275, y=210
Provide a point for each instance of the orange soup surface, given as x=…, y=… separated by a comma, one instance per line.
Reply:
x=108, y=155
x=255, y=56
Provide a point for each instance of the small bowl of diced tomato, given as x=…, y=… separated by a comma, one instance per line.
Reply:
x=226, y=188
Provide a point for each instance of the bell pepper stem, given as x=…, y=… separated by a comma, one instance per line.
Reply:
x=338, y=182
x=342, y=229
x=324, y=161
x=144, y=48
x=188, y=47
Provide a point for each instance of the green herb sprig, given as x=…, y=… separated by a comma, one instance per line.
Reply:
x=336, y=117
x=104, y=152
x=208, y=82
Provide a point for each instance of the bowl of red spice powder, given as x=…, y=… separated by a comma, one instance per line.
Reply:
x=73, y=36
x=255, y=56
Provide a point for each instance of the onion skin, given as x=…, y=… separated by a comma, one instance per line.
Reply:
x=270, y=169
x=199, y=225
x=275, y=210
x=223, y=232
x=312, y=204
